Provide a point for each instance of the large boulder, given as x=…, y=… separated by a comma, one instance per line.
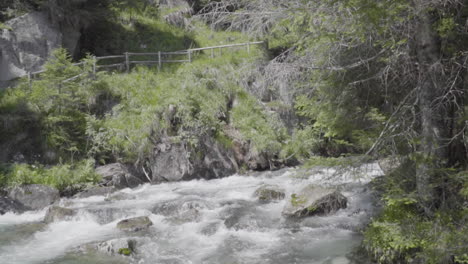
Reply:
x=30, y=40
x=27, y=45
x=135, y=224
x=269, y=193
x=118, y=175
x=314, y=200
x=9, y=205
x=34, y=196
x=56, y=213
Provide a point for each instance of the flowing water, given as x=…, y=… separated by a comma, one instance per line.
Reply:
x=213, y=222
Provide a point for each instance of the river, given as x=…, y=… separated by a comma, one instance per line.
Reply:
x=211, y=222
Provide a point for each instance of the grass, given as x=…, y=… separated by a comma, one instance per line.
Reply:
x=59, y=176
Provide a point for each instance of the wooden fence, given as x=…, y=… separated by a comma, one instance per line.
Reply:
x=151, y=58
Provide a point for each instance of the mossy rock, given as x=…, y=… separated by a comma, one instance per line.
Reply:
x=135, y=224
x=269, y=193
x=314, y=200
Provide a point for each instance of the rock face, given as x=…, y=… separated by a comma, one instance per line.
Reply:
x=314, y=200
x=56, y=213
x=34, y=196
x=178, y=161
x=30, y=42
x=269, y=193
x=135, y=224
x=9, y=205
x=118, y=175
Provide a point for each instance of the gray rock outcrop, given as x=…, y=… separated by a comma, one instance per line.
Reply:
x=29, y=41
x=34, y=196
x=314, y=200
x=118, y=175
x=27, y=45
x=179, y=161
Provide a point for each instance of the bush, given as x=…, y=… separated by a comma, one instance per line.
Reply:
x=59, y=176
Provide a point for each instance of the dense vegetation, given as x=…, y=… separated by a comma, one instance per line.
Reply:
x=355, y=77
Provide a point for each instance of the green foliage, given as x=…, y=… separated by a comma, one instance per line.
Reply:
x=59, y=176
x=403, y=234
x=3, y=26
x=63, y=105
x=263, y=130
x=125, y=251
x=445, y=27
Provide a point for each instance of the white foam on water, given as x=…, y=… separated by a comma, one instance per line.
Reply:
x=240, y=230
x=55, y=241
x=27, y=217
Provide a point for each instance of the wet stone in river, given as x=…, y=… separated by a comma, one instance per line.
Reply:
x=135, y=224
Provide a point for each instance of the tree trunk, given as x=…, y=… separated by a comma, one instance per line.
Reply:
x=431, y=148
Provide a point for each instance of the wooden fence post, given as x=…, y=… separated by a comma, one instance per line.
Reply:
x=159, y=60
x=189, y=52
x=265, y=43
x=94, y=67
x=127, y=62
x=29, y=80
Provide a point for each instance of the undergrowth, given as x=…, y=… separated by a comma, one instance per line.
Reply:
x=404, y=234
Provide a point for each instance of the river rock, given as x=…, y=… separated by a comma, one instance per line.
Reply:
x=135, y=224
x=314, y=200
x=56, y=213
x=181, y=211
x=34, y=196
x=120, y=246
x=269, y=193
x=96, y=191
x=118, y=175
x=9, y=205
x=120, y=196
x=126, y=247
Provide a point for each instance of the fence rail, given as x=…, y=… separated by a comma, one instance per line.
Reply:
x=162, y=57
